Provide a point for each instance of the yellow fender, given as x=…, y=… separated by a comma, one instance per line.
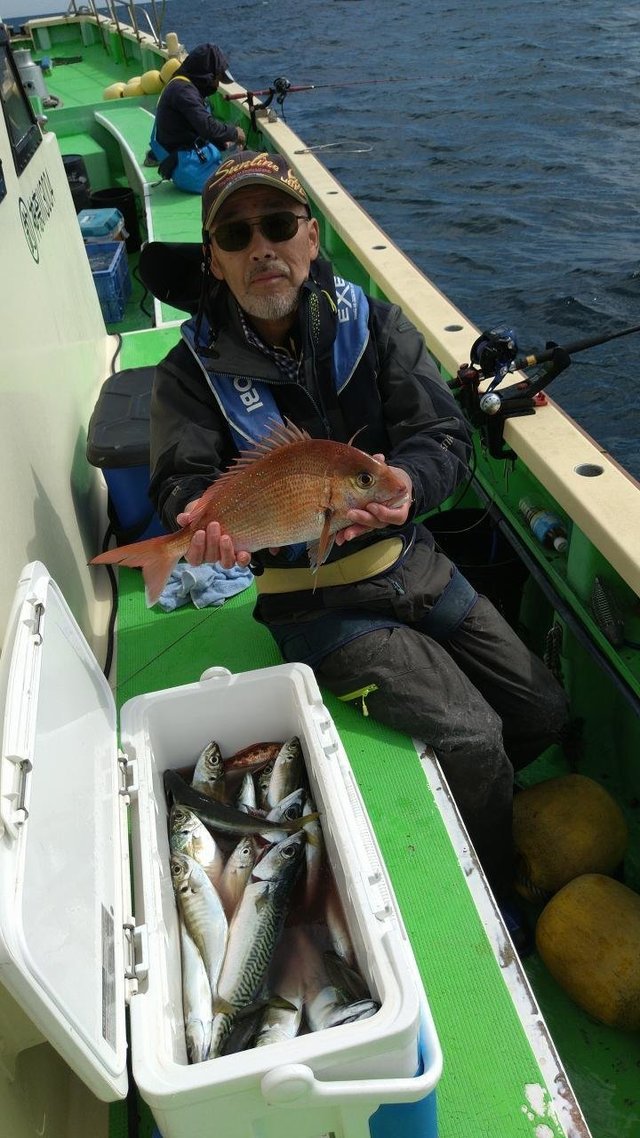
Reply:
x=589, y=938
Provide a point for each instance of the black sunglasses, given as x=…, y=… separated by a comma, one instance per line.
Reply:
x=232, y=236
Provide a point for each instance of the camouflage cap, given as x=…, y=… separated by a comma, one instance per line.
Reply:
x=246, y=168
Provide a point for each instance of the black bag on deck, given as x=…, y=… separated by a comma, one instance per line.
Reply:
x=118, y=443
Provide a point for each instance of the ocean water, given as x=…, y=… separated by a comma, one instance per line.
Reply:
x=504, y=141
x=497, y=144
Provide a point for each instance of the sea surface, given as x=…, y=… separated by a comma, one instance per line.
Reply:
x=498, y=145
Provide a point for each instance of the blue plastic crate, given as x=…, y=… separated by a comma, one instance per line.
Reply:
x=108, y=260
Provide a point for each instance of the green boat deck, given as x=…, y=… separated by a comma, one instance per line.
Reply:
x=501, y=1075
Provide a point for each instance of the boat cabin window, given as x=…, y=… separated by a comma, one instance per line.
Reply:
x=24, y=132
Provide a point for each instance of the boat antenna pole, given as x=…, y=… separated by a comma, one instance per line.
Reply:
x=494, y=355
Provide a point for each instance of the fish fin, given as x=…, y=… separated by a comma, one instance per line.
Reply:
x=344, y=978
x=223, y=1007
x=156, y=557
x=280, y=1002
x=358, y=432
x=200, y=505
x=318, y=551
x=271, y=837
x=279, y=435
x=300, y=823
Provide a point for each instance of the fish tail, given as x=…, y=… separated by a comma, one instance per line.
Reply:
x=156, y=557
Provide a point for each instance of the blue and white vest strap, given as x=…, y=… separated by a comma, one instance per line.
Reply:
x=247, y=403
x=352, y=336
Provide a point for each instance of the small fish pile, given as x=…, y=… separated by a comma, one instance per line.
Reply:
x=265, y=948
x=290, y=488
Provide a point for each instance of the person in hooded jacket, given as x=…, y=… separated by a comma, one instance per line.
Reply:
x=387, y=621
x=187, y=141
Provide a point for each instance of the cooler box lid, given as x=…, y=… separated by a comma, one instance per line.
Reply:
x=100, y=222
x=119, y=427
x=62, y=865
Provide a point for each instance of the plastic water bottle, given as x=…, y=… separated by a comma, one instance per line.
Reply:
x=547, y=527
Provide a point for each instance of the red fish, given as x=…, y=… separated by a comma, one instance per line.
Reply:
x=289, y=488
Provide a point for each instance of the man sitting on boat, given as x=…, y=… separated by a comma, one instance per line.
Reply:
x=186, y=139
x=390, y=619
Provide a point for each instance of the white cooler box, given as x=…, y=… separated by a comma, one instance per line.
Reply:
x=72, y=950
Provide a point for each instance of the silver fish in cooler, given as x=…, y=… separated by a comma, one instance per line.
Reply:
x=202, y=912
x=197, y=1002
x=288, y=772
x=236, y=873
x=189, y=835
x=217, y=814
x=254, y=933
x=208, y=776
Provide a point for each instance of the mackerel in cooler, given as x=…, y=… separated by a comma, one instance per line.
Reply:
x=75, y=948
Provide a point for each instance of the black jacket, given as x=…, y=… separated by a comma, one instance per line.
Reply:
x=182, y=115
x=396, y=399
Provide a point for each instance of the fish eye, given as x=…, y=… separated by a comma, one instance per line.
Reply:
x=364, y=479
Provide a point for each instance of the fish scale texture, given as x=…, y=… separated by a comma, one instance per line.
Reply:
x=475, y=1019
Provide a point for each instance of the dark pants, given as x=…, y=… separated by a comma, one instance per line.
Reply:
x=481, y=699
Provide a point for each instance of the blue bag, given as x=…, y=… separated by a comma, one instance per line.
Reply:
x=194, y=167
x=188, y=169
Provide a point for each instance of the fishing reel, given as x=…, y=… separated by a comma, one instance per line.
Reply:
x=493, y=356
x=281, y=88
x=493, y=352
x=278, y=90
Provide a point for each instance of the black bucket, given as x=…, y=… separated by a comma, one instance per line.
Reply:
x=125, y=201
x=78, y=180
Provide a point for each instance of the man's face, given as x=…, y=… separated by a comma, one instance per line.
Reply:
x=266, y=276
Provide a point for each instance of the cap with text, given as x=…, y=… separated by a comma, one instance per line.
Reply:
x=248, y=169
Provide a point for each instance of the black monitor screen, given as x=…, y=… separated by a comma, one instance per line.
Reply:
x=24, y=133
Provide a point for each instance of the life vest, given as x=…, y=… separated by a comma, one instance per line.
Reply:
x=248, y=404
x=249, y=408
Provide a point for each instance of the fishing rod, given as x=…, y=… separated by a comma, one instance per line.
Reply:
x=494, y=355
x=283, y=86
x=571, y=349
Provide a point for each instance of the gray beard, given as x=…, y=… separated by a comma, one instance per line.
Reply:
x=274, y=307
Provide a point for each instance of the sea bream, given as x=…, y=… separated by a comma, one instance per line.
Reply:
x=288, y=489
